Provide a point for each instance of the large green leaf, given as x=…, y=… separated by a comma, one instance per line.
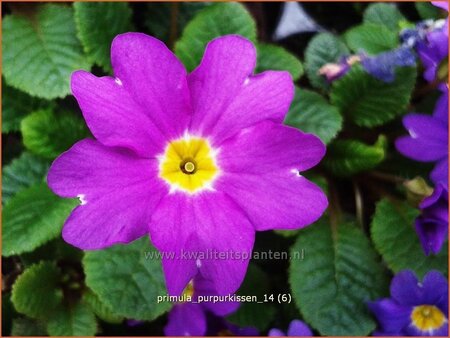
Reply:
x=76, y=320
x=40, y=52
x=211, y=22
x=340, y=272
x=101, y=309
x=371, y=38
x=370, y=102
x=97, y=25
x=16, y=105
x=271, y=57
x=27, y=327
x=348, y=157
x=126, y=281
x=323, y=48
x=311, y=113
x=394, y=237
x=178, y=13
x=384, y=14
x=21, y=173
x=48, y=134
x=36, y=291
x=31, y=218
x=257, y=315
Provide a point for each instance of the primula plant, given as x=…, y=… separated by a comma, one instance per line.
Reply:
x=247, y=169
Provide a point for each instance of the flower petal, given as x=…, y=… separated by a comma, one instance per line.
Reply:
x=297, y=328
x=281, y=200
x=225, y=95
x=204, y=287
x=205, y=230
x=113, y=116
x=439, y=175
x=428, y=140
x=118, y=192
x=269, y=147
x=392, y=317
x=432, y=233
x=155, y=79
x=186, y=319
x=276, y=333
x=405, y=288
x=435, y=287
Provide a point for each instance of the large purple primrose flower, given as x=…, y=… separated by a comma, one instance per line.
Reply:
x=432, y=224
x=414, y=309
x=189, y=318
x=428, y=138
x=199, y=161
x=296, y=328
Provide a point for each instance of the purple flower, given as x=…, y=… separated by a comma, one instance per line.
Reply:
x=414, y=309
x=296, y=328
x=432, y=224
x=383, y=65
x=434, y=48
x=428, y=138
x=219, y=326
x=199, y=161
x=189, y=318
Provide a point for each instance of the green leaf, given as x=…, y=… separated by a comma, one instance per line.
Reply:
x=97, y=25
x=340, y=272
x=257, y=315
x=35, y=292
x=16, y=105
x=40, y=52
x=371, y=38
x=33, y=217
x=78, y=320
x=394, y=237
x=322, y=49
x=384, y=14
x=211, y=22
x=348, y=157
x=21, y=173
x=427, y=11
x=48, y=134
x=158, y=15
x=369, y=102
x=311, y=113
x=101, y=309
x=126, y=281
x=27, y=327
x=271, y=57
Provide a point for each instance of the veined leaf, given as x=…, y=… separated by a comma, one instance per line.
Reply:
x=41, y=52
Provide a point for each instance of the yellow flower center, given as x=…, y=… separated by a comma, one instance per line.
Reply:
x=188, y=164
x=189, y=290
x=427, y=317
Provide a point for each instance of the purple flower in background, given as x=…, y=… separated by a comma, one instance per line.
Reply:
x=434, y=48
x=432, y=224
x=414, y=309
x=428, y=138
x=296, y=328
x=189, y=318
x=219, y=326
x=199, y=161
x=383, y=65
